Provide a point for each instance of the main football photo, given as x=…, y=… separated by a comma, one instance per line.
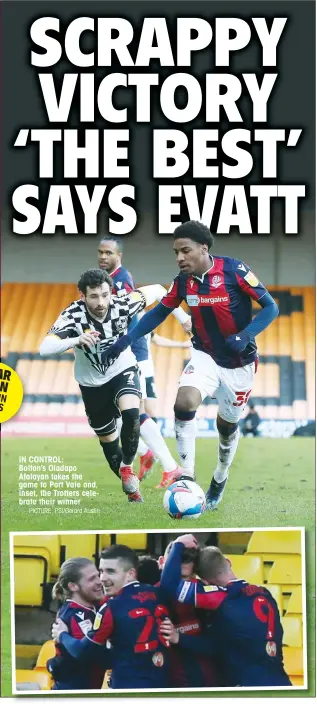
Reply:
x=152, y=611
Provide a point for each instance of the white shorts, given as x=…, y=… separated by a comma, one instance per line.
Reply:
x=231, y=387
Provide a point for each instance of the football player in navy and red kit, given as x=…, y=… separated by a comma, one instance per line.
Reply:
x=246, y=633
x=110, y=259
x=219, y=293
x=130, y=619
x=81, y=592
x=187, y=668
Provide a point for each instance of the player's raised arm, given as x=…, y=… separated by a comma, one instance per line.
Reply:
x=252, y=287
x=195, y=593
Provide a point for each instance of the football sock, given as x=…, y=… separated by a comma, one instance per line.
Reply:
x=226, y=452
x=130, y=434
x=186, y=430
x=142, y=448
x=113, y=454
x=152, y=435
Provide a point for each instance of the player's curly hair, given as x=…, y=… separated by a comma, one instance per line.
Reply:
x=127, y=556
x=71, y=571
x=196, y=231
x=94, y=278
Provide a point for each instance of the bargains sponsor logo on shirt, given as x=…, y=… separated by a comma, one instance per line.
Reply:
x=194, y=301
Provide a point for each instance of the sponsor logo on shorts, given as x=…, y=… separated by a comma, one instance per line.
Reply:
x=158, y=659
x=189, y=369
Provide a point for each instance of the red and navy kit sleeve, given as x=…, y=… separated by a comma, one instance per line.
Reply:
x=101, y=631
x=173, y=297
x=252, y=287
x=201, y=596
x=122, y=282
x=247, y=281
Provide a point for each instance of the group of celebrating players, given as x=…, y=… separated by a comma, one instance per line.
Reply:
x=157, y=624
x=112, y=355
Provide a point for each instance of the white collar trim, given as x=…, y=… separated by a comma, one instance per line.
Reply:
x=201, y=278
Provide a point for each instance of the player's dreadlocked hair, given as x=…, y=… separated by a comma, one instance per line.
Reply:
x=71, y=571
x=127, y=556
x=196, y=231
x=211, y=564
x=94, y=278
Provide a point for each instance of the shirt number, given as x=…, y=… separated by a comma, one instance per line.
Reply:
x=143, y=643
x=264, y=611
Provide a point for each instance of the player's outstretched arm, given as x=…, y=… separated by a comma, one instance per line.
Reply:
x=166, y=342
x=79, y=649
x=155, y=293
x=53, y=344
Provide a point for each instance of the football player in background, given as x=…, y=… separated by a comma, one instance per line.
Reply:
x=130, y=619
x=151, y=443
x=219, y=292
x=80, y=592
x=246, y=634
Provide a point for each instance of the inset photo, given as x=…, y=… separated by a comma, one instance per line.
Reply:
x=154, y=611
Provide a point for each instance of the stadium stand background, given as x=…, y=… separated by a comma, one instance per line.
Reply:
x=38, y=282
x=269, y=558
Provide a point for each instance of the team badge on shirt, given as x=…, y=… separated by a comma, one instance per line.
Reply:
x=158, y=659
x=216, y=281
x=85, y=626
x=271, y=648
x=251, y=279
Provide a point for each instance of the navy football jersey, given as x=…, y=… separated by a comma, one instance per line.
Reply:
x=247, y=633
x=123, y=283
x=68, y=672
x=131, y=621
x=220, y=303
x=187, y=668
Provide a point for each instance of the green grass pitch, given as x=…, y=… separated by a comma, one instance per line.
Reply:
x=271, y=484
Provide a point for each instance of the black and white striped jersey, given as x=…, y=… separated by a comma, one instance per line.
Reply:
x=76, y=319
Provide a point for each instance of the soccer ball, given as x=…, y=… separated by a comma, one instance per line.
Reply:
x=184, y=499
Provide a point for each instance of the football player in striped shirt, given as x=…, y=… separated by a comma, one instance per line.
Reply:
x=219, y=292
x=110, y=259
